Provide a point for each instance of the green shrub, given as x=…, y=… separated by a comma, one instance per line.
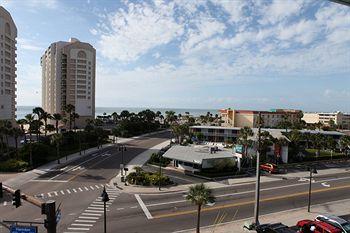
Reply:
x=147, y=178
x=157, y=159
x=13, y=165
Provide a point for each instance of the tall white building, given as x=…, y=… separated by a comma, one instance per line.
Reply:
x=68, y=77
x=8, y=35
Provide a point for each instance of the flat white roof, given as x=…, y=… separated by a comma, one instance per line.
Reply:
x=195, y=153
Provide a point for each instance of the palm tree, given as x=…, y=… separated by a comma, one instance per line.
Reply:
x=74, y=117
x=57, y=118
x=70, y=109
x=170, y=116
x=17, y=132
x=57, y=139
x=200, y=195
x=29, y=118
x=45, y=116
x=243, y=138
x=38, y=111
x=21, y=123
x=8, y=132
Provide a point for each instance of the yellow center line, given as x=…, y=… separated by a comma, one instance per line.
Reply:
x=248, y=202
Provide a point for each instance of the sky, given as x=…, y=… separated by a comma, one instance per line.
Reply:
x=209, y=54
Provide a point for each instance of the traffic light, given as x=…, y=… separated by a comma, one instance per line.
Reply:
x=16, y=200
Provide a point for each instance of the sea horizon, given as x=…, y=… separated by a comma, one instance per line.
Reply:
x=99, y=111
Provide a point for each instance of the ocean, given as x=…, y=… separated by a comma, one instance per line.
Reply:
x=24, y=110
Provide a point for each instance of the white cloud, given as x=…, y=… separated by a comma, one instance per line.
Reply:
x=31, y=4
x=280, y=10
x=303, y=31
x=26, y=44
x=233, y=8
x=138, y=29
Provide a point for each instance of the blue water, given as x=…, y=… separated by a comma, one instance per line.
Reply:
x=24, y=110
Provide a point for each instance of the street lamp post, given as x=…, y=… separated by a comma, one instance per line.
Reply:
x=257, y=184
x=122, y=148
x=312, y=171
x=105, y=198
x=160, y=172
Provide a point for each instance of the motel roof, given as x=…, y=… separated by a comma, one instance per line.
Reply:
x=195, y=153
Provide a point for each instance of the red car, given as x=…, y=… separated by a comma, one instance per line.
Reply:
x=269, y=167
x=310, y=226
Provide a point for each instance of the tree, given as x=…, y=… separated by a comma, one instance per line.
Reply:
x=74, y=117
x=56, y=140
x=266, y=140
x=70, y=109
x=57, y=118
x=344, y=144
x=45, y=116
x=200, y=195
x=170, y=116
x=285, y=123
x=21, y=123
x=17, y=132
x=38, y=111
x=318, y=142
x=244, y=138
x=29, y=118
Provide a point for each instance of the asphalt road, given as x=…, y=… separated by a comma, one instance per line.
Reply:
x=77, y=187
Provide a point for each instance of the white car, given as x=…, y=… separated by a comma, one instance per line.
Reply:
x=336, y=221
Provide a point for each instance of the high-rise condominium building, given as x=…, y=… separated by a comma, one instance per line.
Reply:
x=68, y=77
x=341, y=120
x=8, y=35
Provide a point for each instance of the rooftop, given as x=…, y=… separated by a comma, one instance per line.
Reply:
x=196, y=153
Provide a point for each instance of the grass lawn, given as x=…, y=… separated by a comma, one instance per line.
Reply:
x=311, y=153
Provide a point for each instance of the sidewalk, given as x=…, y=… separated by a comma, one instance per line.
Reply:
x=289, y=217
x=138, y=161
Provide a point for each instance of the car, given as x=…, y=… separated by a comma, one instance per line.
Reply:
x=335, y=221
x=274, y=228
x=311, y=226
x=25, y=141
x=269, y=167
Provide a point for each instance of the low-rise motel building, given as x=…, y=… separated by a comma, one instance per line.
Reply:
x=250, y=118
x=341, y=120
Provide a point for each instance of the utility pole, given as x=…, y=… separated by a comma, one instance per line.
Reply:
x=160, y=172
x=257, y=184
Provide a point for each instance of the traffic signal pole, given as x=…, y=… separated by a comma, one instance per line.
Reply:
x=48, y=208
x=257, y=184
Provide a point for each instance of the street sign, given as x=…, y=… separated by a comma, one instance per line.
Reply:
x=21, y=229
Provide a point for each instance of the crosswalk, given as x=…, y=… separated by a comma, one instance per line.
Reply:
x=92, y=213
x=70, y=191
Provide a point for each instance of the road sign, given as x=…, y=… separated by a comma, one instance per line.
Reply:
x=21, y=229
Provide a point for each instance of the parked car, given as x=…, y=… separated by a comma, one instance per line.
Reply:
x=269, y=167
x=274, y=228
x=25, y=141
x=310, y=226
x=335, y=221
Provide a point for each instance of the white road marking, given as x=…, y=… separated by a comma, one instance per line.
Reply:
x=49, y=194
x=120, y=208
x=88, y=217
x=143, y=207
x=133, y=207
x=77, y=168
x=62, y=192
x=97, y=186
x=50, y=181
x=79, y=220
x=56, y=194
x=97, y=205
x=91, y=214
x=95, y=208
x=78, y=229
x=80, y=190
x=325, y=184
x=86, y=188
x=93, y=211
x=92, y=187
x=5, y=203
x=74, y=190
x=81, y=225
x=68, y=191
x=72, y=168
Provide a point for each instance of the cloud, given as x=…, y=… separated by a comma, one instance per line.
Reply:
x=26, y=44
x=136, y=30
x=280, y=10
x=31, y=4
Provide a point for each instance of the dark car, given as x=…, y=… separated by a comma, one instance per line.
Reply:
x=274, y=228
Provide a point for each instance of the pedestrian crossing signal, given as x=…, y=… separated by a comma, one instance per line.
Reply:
x=16, y=200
